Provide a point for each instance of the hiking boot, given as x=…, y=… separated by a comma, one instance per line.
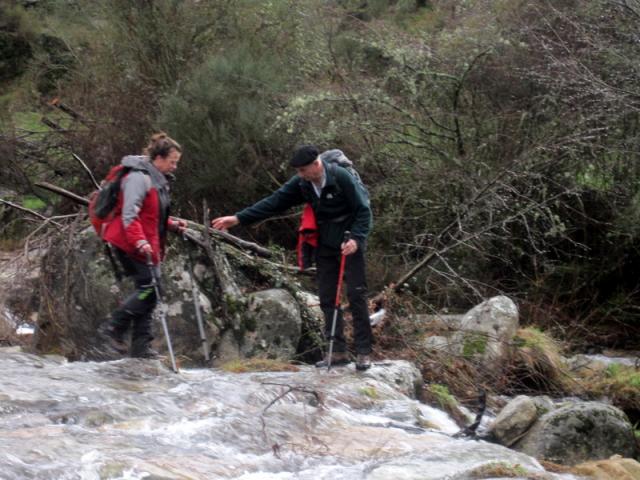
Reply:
x=113, y=339
x=143, y=350
x=363, y=362
x=337, y=359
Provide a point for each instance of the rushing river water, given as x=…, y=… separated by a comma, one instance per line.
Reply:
x=134, y=419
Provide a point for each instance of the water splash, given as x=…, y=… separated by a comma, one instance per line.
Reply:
x=135, y=419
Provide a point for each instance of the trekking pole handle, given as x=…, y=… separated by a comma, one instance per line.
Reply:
x=347, y=236
x=154, y=278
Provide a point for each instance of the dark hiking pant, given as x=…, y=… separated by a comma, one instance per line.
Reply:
x=308, y=253
x=136, y=310
x=328, y=268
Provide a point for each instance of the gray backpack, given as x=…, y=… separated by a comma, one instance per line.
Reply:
x=337, y=157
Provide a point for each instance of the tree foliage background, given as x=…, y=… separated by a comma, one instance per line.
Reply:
x=499, y=138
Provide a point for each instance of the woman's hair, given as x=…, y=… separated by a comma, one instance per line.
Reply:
x=161, y=144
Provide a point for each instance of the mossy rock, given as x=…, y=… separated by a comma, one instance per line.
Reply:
x=578, y=433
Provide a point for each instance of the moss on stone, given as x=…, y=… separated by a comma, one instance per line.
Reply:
x=442, y=395
x=258, y=365
x=474, y=344
x=370, y=392
x=249, y=323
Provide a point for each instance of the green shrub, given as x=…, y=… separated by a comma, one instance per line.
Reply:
x=16, y=34
x=222, y=116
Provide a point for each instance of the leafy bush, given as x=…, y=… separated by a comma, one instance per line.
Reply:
x=16, y=35
x=222, y=116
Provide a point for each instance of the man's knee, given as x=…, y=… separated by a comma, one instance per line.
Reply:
x=357, y=292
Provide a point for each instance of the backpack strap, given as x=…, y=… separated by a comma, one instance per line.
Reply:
x=108, y=248
x=333, y=168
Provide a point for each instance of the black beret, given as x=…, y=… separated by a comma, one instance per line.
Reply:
x=304, y=156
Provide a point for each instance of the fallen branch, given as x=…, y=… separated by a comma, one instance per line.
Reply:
x=65, y=193
x=319, y=397
x=231, y=293
x=319, y=402
x=254, y=247
x=231, y=239
x=56, y=102
x=31, y=212
x=89, y=172
x=52, y=125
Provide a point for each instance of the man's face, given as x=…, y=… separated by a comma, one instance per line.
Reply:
x=312, y=172
x=167, y=164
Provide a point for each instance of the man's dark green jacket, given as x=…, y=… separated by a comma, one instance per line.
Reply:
x=342, y=206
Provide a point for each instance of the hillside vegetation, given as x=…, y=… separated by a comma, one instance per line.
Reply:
x=499, y=138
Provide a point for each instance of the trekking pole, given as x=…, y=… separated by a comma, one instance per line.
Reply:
x=196, y=304
x=156, y=285
x=347, y=236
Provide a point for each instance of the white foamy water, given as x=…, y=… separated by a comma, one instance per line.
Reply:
x=134, y=419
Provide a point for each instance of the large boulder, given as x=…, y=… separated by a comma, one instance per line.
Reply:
x=587, y=365
x=578, y=433
x=272, y=326
x=487, y=329
x=187, y=284
x=438, y=321
x=79, y=290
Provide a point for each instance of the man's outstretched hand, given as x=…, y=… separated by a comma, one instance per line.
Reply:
x=225, y=223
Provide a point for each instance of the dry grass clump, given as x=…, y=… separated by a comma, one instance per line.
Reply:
x=536, y=364
x=505, y=470
x=258, y=365
x=614, y=467
x=619, y=383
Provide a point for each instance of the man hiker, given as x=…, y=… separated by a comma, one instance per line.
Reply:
x=137, y=233
x=339, y=206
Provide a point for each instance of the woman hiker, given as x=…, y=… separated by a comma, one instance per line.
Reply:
x=137, y=232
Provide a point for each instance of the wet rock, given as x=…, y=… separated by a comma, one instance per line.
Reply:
x=597, y=364
x=543, y=404
x=578, y=433
x=206, y=423
x=271, y=328
x=273, y=323
x=80, y=290
x=405, y=376
x=514, y=420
